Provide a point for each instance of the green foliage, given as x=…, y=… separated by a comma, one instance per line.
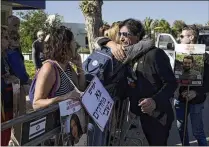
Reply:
x=83, y=50
x=30, y=68
x=31, y=22
x=88, y=7
x=162, y=26
x=177, y=27
x=148, y=25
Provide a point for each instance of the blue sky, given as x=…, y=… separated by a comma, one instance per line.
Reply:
x=189, y=11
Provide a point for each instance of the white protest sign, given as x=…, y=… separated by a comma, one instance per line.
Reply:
x=189, y=64
x=69, y=106
x=37, y=128
x=98, y=103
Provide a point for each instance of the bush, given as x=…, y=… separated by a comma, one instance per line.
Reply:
x=83, y=50
x=30, y=68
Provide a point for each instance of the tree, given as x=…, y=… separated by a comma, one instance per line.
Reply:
x=92, y=11
x=161, y=26
x=31, y=22
x=177, y=27
x=155, y=24
x=164, y=26
x=148, y=25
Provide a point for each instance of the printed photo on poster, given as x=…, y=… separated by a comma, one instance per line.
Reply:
x=189, y=64
x=73, y=123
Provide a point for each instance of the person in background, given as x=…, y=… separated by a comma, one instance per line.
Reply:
x=13, y=29
x=196, y=97
x=59, y=50
x=16, y=62
x=6, y=87
x=103, y=29
x=155, y=84
x=206, y=72
x=13, y=23
x=37, y=50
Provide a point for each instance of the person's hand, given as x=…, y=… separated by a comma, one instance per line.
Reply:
x=190, y=95
x=116, y=50
x=74, y=95
x=77, y=60
x=184, y=94
x=147, y=105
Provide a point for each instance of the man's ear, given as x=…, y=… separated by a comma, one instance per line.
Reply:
x=191, y=37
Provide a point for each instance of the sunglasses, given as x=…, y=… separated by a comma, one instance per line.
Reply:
x=182, y=36
x=125, y=34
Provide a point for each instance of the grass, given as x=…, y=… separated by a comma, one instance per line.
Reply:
x=30, y=68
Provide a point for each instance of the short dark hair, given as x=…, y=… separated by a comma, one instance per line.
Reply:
x=135, y=27
x=194, y=30
x=190, y=57
x=58, y=45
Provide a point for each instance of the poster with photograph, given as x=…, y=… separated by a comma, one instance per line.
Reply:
x=98, y=103
x=73, y=123
x=189, y=64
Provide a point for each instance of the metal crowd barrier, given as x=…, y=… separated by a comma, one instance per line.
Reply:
x=33, y=133
x=121, y=128
x=37, y=126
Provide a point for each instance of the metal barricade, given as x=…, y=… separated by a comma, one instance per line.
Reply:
x=44, y=124
x=125, y=127
x=37, y=126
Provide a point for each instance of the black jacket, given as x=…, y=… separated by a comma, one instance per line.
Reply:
x=37, y=53
x=206, y=73
x=155, y=79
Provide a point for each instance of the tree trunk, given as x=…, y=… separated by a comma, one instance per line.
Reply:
x=93, y=20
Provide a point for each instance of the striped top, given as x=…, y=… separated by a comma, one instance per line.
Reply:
x=65, y=84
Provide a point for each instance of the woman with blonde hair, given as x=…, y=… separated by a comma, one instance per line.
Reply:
x=57, y=72
x=112, y=32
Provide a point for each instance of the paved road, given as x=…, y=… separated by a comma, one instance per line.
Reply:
x=174, y=136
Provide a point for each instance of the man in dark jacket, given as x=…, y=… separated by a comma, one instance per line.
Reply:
x=37, y=50
x=196, y=97
x=155, y=84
